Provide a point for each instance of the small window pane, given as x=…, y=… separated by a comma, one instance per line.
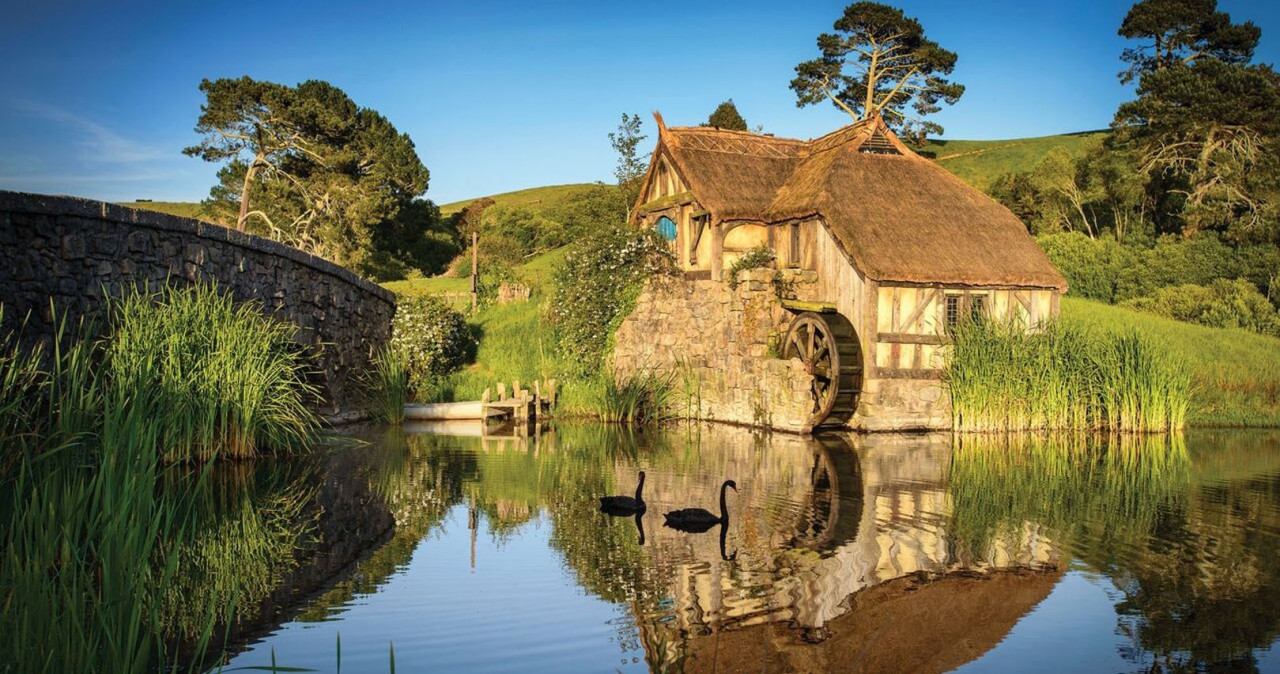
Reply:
x=666, y=228
x=953, y=310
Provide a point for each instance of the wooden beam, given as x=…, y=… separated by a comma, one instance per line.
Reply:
x=908, y=373
x=816, y=307
x=908, y=338
x=919, y=310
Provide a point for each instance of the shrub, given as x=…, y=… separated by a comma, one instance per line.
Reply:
x=1092, y=267
x=1175, y=261
x=596, y=288
x=433, y=339
x=1221, y=304
x=756, y=258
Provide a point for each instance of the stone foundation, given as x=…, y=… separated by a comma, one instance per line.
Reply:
x=720, y=346
x=717, y=343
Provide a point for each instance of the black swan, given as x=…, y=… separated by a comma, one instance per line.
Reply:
x=620, y=506
x=697, y=520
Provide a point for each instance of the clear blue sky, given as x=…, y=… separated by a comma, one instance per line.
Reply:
x=99, y=101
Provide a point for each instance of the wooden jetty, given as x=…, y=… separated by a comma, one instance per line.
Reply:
x=519, y=406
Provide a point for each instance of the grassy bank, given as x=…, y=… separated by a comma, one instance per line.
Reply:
x=1235, y=374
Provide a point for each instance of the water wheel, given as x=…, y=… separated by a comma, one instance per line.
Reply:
x=829, y=349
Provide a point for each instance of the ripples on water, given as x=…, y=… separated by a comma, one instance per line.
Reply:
x=844, y=553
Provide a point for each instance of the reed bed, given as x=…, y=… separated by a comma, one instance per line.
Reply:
x=1002, y=378
x=89, y=546
x=233, y=380
x=388, y=385
x=642, y=398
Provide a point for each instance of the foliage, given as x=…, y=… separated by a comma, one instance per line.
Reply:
x=233, y=380
x=1182, y=32
x=1205, y=121
x=893, y=65
x=433, y=339
x=1092, y=267
x=1222, y=304
x=94, y=563
x=1002, y=378
x=756, y=258
x=726, y=116
x=597, y=286
x=306, y=166
x=631, y=165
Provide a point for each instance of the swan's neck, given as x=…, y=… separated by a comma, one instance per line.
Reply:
x=724, y=507
x=640, y=488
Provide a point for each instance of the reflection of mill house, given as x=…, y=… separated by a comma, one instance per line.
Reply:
x=877, y=252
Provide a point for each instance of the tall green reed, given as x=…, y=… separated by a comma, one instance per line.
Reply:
x=388, y=385
x=233, y=380
x=1002, y=378
x=644, y=397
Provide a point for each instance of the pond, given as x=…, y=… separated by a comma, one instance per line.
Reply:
x=841, y=553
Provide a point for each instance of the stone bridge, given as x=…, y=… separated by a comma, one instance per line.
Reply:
x=71, y=251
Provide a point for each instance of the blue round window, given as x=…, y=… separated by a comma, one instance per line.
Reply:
x=666, y=228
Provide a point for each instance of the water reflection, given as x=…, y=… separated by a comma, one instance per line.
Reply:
x=842, y=553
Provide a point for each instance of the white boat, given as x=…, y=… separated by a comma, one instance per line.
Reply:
x=442, y=411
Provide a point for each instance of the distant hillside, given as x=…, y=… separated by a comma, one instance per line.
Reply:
x=537, y=198
x=979, y=162
x=185, y=209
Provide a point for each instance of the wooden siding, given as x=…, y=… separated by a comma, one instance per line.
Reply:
x=911, y=320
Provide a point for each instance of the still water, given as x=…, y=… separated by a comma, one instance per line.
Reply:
x=841, y=553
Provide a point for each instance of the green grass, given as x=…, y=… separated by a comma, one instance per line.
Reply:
x=186, y=209
x=1235, y=374
x=536, y=198
x=979, y=162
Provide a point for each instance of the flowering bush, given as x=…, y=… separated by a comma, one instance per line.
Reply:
x=433, y=338
x=597, y=286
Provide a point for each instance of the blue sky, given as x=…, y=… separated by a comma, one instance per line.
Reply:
x=100, y=98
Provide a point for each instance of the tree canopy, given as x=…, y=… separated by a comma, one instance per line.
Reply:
x=879, y=62
x=726, y=116
x=305, y=165
x=1181, y=32
x=631, y=164
x=1206, y=122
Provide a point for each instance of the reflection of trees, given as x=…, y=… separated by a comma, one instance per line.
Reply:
x=1201, y=596
x=1188, y=537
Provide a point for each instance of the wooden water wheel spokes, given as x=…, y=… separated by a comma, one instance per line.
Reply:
x=825, y=343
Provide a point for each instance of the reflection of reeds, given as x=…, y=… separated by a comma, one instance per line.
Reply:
x=1002, y=378
x=1067, y=483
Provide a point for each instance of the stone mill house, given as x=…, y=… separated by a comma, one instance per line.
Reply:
x=877, y=250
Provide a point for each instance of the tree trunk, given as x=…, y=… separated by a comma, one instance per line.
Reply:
x=244, y=193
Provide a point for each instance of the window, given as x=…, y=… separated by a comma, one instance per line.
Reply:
x=977, y=307
x=952, y=310
x=666, y=228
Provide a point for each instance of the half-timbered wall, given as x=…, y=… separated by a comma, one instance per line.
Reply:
x=911, y=321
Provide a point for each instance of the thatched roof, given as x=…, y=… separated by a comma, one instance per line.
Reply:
x=897, y=215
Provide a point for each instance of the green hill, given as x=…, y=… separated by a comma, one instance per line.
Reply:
x=979, y=162
x=184, y=209
x=537, y=198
